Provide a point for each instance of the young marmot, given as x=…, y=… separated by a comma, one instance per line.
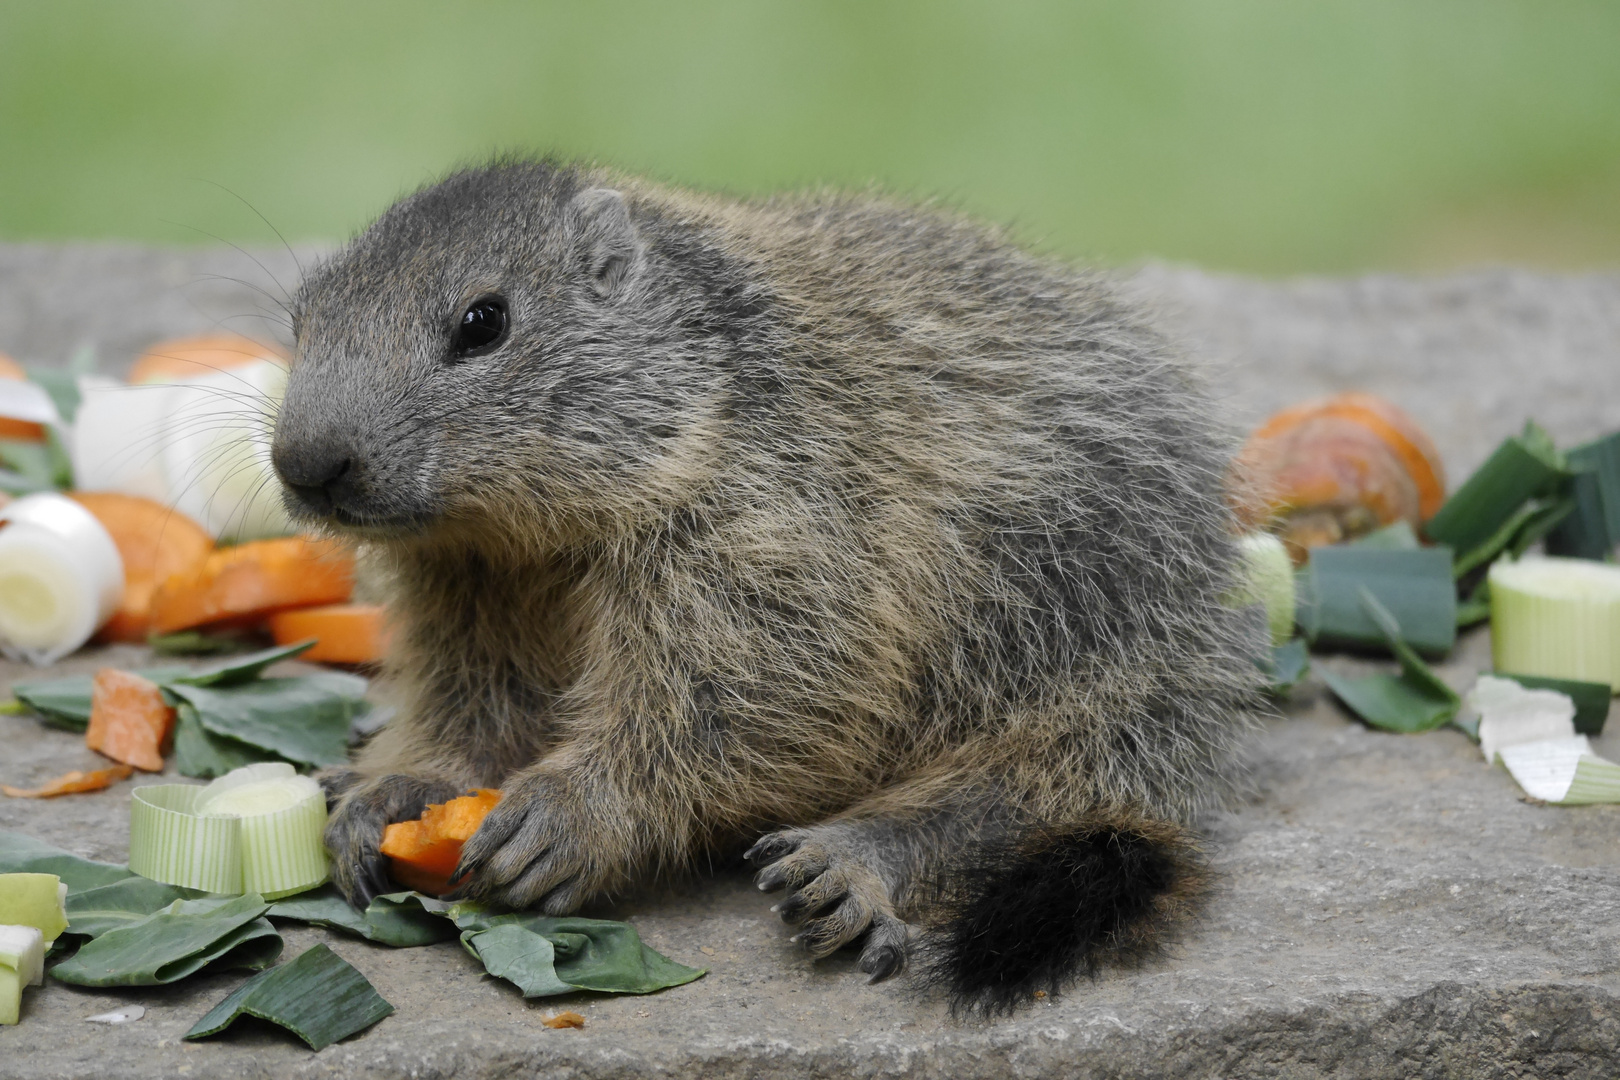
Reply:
x=824, y=517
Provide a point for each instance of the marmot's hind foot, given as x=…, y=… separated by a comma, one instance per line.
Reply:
x=837, y=897
x=354, y=831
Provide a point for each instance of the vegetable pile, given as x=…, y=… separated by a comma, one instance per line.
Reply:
x=126, y=489
x=1353, y=489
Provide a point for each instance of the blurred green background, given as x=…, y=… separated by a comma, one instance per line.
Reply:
x=1271, y=136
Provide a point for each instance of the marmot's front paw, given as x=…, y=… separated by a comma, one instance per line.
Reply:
x=355, y=829
x=837, y=897
x=538, y=848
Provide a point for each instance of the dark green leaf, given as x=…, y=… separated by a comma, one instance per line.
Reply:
x=1593, y=527
x=1415, y=700
x=1477, y=608
x=1286, y=665
x=1591, y=699
x=319, y=997
x=21, y=854
x=1414, y=584
x=1523, y=467
x=65, y=703
x=585, y=954
x=177, y=941
x=92, y=912
x=241, y=669
x=194, y=643
x=304, y=719
x=200, y=753
x=388, y=920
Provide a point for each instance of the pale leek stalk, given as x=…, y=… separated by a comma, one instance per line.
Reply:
x=1557, y=617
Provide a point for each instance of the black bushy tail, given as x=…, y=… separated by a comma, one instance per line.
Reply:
x=1062, y=900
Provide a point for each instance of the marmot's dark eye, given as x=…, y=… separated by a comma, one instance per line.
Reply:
x=482, y=327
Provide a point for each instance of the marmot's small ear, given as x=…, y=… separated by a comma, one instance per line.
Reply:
x=613, y=252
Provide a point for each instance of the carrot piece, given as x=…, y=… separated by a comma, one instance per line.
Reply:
x=179, y=359
x=1334, y=468
x=422, y=854
x=72, y=783
x=129, y=720
x=569, y=1019
x=344, y=633
x=155, y=542
x=21, y=430
x=253, y=580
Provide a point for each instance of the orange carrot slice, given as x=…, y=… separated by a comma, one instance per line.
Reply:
x=253, y=580
x=24, y=430
x=155, y=541
x=179, y=359
x=344, y=633
x=72, y=783
x=129, y=720
x=422, y=854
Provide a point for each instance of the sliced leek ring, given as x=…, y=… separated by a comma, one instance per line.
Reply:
x=255, y=829
x=61, y=577
x=1557, y=617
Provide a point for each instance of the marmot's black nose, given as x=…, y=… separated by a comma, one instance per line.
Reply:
x=320, y=477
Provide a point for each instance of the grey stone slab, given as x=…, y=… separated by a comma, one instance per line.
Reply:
x=1386, y=906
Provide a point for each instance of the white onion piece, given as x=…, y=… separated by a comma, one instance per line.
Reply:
x=60, y=577
x=119, y=435
x=22, y=949
x=217, y=454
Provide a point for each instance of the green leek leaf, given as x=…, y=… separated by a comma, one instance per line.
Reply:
x=1523, y=467
x=241, y=669
x=387, y=920
x=21, y=854
x=177, y=941
x=1593, y=527
x=1413, y=701
x=318, y=996
x=93, y=912
x=1286, y=665
x=1416, y=585
x=304, y=719
x=1591, y=699
x=193, y=643
x=200, y=753
x=539, y=953
x=1397, y=536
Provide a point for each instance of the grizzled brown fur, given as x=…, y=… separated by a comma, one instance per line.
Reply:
x=822, y=514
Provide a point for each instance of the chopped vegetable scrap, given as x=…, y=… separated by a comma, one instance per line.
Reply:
x=129, y=719
x=227, y=715
x=1332, y=469
x=1415, y=585
x=318, y=996
x=543, y=956
x=216, y=933
x=423, y=853
x=60, y=577
x=1269, y=580
x=22, y=963
x=256, y=829
x=343, y=633
x=33, y=898
x=252, y=580
x=155, y=542
x=182, y=359
x=1557, y=617
x=568, y=1019
x=73, y=783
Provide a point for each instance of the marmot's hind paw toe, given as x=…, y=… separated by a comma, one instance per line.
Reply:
x=836, y=898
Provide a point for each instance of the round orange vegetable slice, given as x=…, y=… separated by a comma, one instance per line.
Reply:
x=184, y=358
x=155, y=541
x=1334, y=468
x=422, y=854
x=343, y=633
x=23, y=430
x=129, y=720
x=250, y=581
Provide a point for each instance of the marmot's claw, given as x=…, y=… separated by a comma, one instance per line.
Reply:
x=536, y=848
x=356, y=826
x=836, y=897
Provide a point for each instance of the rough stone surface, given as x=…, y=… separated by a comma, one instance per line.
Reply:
x=1388, y=906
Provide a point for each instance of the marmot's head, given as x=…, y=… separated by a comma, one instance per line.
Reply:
x=512, y=344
